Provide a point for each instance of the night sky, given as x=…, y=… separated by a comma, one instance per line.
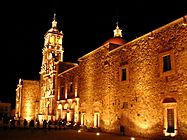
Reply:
x=86, y=25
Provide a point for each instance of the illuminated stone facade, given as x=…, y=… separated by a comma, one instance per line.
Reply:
x=27, y=99
x=141, y=84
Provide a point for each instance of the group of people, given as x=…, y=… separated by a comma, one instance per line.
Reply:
x=45, y=124
x=31, y=124
x=57, y=124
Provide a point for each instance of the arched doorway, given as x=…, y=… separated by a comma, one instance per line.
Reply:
x=170, y=117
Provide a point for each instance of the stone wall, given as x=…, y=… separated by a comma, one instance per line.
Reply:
x=136, y=103
x=93, y=87
x=30, y=92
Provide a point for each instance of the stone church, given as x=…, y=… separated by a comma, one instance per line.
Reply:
x=141, y=84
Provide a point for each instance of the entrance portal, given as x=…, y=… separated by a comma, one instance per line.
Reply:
x=170, y=117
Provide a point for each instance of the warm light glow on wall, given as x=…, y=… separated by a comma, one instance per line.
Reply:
x=107, y=122
x=57, y=114
x=143, y=97
x=94, y=92
x=76, y=117
x=144, y=126
x=40, y=118
x=59, y=106
x=66, y=91
x=28, y=111
x=68, y=116
x=58, y=93
x=75, y=90
x=89, y=78
x=66, y=106
x=82, y=118
x=69, y=101
x=64, y=116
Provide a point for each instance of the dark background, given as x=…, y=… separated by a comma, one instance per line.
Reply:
x=86, y=25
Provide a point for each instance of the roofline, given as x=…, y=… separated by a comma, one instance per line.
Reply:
x=68, y=70
x=151, y=32
x=143, y=36
x=102, y=46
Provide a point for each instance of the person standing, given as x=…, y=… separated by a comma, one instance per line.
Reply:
x=25, y=123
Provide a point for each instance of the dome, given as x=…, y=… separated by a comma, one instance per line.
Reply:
x=115, y=40
x=53, y=30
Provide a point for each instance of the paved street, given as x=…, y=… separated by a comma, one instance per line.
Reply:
x=41, y=134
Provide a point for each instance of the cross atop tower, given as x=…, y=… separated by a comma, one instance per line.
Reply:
x=54, y=23
x=117, y=31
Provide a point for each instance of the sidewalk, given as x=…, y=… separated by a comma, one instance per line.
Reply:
x=68, y=134
x=107, y=136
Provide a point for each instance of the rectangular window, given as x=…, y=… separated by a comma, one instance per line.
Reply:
x=124, y=74
x=166, y=63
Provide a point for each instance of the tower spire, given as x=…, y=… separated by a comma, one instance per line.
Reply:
x=117, y=31
x=54, y=18
x=54, y=23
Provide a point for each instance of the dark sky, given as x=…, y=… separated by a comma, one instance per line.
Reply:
x=86, y=25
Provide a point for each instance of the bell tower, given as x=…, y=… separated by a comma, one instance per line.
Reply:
x=52, y=56
x=53, y=50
